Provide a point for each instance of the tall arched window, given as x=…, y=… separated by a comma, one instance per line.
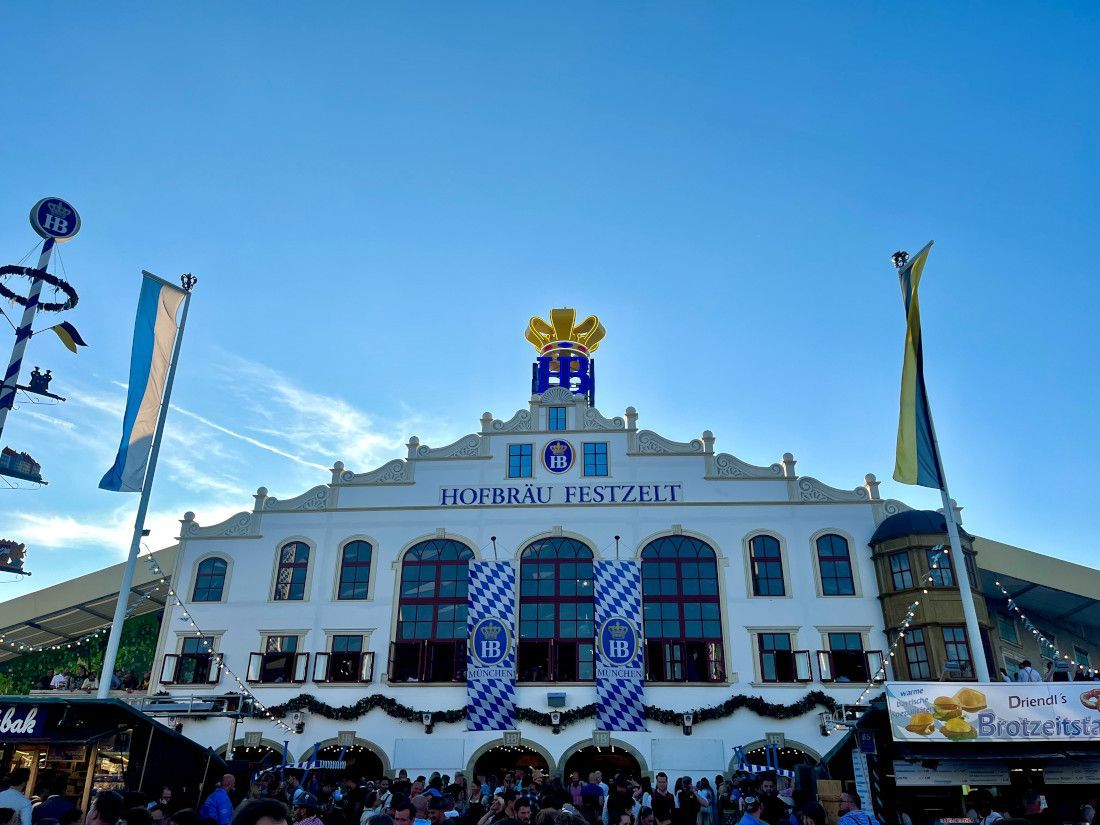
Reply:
x=680, y=608
x=835, y=565
x=290, y=580
x=557, y=622
x=430, y=643
x=209, y=580
x=766, y=562
x=354, y=571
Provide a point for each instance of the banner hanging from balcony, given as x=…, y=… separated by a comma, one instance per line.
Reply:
x=491, y=652
x=620, y=685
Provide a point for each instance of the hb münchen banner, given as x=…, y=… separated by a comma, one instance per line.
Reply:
x=491, y=653
x=619, y=675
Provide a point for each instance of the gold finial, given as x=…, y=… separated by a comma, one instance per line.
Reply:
x=561, y=336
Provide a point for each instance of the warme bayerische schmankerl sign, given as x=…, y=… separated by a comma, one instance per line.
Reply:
x=999, y=712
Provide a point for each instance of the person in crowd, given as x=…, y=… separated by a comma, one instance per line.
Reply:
x=54, y=805
x=812, y=813
x=592, y=799
x=139, y=815
x=218, y=805
x=619, y=799
x=46, y=682
x=90, y=683
x=420, y=805
x=642, y=793
x=116, y=679
x=1027, y=673
x=158, y=813
x=185, y=816
x=71, y=817
x=645, y=816
x=106, y=810
x=261, y=812
x=14, y=796
x=305, y=810
x=7, y=816
x=689, y=802
x=850, y=810
x=774, y=810
x=664, y=803
x=708, y=813
x=164, y=799
x=575, y=786
x=62, y=680
x=751, y=816
x=403, y=813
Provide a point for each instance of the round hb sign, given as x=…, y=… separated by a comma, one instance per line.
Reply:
x=618, y=641
x=55, y=218
x=557, y=456
x=490, y=641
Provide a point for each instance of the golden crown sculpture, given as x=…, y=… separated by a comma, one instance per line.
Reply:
x=561, y=336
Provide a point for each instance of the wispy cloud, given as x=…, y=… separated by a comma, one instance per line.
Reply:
x=255, y=442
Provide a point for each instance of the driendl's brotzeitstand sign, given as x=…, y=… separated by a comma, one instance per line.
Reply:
x=1008, y=712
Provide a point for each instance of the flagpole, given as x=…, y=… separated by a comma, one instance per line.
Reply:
x=962, y=572
x=111, y=653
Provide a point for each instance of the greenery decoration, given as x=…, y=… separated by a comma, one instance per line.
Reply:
x=392, y=707
x=41, y=275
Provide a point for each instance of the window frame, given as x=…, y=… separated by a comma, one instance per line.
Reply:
x=1002, y=622
x=911, y=646
x=819, y=575
x=784, y=567
x=595, y=445
x=560, y=645
x=529, y=458
x=938, y=576
x=800, y=662
x=674, y=650
x=550, y=419
x=297, y=667
x=426, y=649
x=225, y=577
x=969, y=661
x=872, y=659
x=171, y=663
x=908, y=571
x=371, y=568
x=307, y=583
x=325, y=662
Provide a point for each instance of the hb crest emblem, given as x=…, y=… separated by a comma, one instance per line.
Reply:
x=618, y=641
x=490, y=642
x=557, y=456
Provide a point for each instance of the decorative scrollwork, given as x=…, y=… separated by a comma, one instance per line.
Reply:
x=522, y=421
x=397, y=471
x=652, y=444
x=466, y=447
x=237, y=525
x=729, y=466
x=557, y=395
x=810, y=489
x=593, y=420
x=315, y=499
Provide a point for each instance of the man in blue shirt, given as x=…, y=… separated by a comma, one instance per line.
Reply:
x=218, y=806
x=752, y=811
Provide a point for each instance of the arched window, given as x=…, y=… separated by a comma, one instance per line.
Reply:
x=835, y=565
x=209, y=580
x=680, y=608
x=430, y=643
x=766, y=562
x=557, y=612
x=354, y=571
x=290, y=580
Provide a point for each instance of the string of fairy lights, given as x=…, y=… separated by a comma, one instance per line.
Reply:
x=1044, y=642
x=910, y=614
x=208, y=644
x=86, y=638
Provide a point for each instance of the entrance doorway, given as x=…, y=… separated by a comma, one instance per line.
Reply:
x=495, y=761
x=359, y=762
x=610, y=761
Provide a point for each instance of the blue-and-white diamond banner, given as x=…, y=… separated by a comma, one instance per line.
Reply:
x=491, y=650
x=620, y=679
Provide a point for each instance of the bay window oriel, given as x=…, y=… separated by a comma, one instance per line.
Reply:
x=681, y=611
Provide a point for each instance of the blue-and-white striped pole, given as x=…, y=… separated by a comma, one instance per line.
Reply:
x=22, y=336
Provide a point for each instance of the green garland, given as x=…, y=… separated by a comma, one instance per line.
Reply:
x=392, y=707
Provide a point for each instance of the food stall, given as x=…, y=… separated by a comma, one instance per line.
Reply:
x=82, y=747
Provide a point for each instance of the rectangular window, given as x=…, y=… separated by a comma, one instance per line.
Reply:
x=519, y=460
x=595, y=459
x=1006, y=627
x=194, y=663
x=279, y=662
x=684, y=661
x=555, y=418
x=916, y=654
x=776, y=657
x=345, y=658
x=900, y=570
x=943, y=575
x=957, y=650
x=849, y=664
x=1081, y=657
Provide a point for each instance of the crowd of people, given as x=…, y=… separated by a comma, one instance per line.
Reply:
x=292, y=796
x=83, y=679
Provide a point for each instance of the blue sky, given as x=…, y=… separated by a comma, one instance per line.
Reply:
x=376, y=197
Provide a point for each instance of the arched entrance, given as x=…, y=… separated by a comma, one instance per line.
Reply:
x=791, y=756
x=495, y=760
x=360, y=762
x=610, y=761
x=255, y=757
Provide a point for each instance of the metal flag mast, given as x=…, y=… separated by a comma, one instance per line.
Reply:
x=111, y=653
x=962, y=571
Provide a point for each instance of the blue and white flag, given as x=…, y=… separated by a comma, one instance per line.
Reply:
x=491, y=653
x=150, y=360
x=620, y=679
